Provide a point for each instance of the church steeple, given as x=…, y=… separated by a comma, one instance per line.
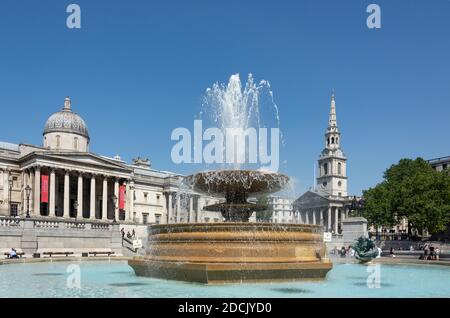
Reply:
x=332, y=135
x=332, y=179
x=332, y=117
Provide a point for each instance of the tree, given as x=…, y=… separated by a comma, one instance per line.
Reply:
x=414, y=190
x=266, y=215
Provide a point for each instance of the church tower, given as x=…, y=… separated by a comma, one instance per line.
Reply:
x=332, y=180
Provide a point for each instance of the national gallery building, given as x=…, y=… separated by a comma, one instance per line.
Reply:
x=63, y=179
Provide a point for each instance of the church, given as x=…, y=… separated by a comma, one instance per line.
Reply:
x=62, y=179
x=327, y=203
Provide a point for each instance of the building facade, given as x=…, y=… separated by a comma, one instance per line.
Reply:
x=282, y=209
x=66, y=180
x=327, y=202
x=440, y=164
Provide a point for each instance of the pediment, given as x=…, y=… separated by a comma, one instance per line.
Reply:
x=311, y=199
x=86, y=159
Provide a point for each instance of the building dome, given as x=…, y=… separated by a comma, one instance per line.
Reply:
x=66, y=131
x=66, y=121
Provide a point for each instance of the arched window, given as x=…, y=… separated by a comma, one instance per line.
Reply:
x=337, y=140
x=332, y=140
x=328, y=140
x=339, y=168
x=325, y=168
x=58, y=141
x=75, y=143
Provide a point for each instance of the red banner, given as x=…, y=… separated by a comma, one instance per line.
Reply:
x=122, y=197
x=44, y=188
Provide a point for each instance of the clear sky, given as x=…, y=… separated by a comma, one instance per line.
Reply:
x=138, y=69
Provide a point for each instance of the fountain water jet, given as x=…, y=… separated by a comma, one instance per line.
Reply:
x=235, y=250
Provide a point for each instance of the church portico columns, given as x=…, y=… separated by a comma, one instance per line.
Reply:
x=314, y=221
x=79, y=209
x=321, y=216
x=336, y=220
x=329, y=219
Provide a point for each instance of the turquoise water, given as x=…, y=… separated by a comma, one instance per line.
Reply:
x=117, y=279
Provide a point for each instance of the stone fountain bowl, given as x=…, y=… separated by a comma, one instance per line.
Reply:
x=234, y=252
x=252, y=182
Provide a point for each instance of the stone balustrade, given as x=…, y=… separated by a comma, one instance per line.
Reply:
x=10, y=222
x=34, y=235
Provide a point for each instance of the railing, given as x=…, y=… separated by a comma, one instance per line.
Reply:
x=100, y=226
x=46, y=224
x=75, y=225
x=9, y=222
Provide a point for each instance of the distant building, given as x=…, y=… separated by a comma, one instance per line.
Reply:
x=327, y=203
x=440, y=164
x=282, y=209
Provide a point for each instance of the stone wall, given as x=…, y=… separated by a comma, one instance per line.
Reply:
x=38, y=236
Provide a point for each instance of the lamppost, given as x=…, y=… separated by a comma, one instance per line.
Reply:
x=75, y=206
x=10, y=183
x=28, y=192
x=115, y=207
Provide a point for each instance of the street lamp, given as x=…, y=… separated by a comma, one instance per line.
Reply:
x=28, y=192
x=10, y=183
x=115, y=207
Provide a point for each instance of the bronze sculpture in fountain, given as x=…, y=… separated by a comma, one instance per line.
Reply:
x=235, y=250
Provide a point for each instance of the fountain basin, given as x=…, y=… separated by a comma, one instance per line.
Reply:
x=231, y=252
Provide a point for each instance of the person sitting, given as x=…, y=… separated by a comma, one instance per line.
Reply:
x=13, y=254
x=128, y=235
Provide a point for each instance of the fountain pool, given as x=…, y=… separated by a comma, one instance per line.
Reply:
x=117, y=279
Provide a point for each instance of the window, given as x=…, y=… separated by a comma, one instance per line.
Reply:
x=157, y=218
x=444, y=166
x=328, y=140
x=325, y=168
x=324, y=184
x=216, y=220
x=337, y=140
x=340, y=194
x=339, y=168
x=332, y=140
x=144, y=218
x=75, y=143
x=157, y=199
x=339, y=183
x=58, y=141
x=206, y=219
x=14, y=209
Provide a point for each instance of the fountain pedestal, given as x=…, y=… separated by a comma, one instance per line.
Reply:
x=234, y=252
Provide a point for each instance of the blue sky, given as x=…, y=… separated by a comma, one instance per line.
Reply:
x=138, y=69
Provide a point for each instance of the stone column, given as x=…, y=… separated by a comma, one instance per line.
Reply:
x=66, y=209
x=116, y=193
x=169, y=208
x=307, y=216
x=92, y=203
x=131, y=198
x=52, y=194
x=127, y=201
x=178, y=198
x=191, y=209
x=329, y=219
x=336, y=223
x=6, y=189
x=342, y=215
x=31, y=184
x=25, y=181
x=37, y=191
x=321, y=216
x=105, y=199
x=314, y=216
x=79, y=212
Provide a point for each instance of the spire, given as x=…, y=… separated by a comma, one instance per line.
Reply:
x=332, y=117
x=67, y=104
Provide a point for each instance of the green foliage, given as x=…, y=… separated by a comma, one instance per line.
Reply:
x=264, y=216
x=411, y=189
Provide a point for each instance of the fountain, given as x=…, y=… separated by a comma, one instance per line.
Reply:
x=235, y=250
